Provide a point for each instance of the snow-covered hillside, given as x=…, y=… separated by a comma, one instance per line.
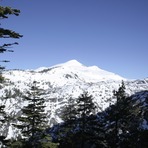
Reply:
x=60, y=82
x=60, y=74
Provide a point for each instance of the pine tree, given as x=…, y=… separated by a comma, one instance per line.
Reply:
x=5, y=12
x=2, y=120
x=33, y=118
x=65, y=132
x=90, y=128
x=3, y=116
x=97, y=130
x=121, y=119
x=69, y=112
x=77, y=125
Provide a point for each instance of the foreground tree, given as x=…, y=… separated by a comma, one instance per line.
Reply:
x=2, y=121
x=65, y=132
x=121, y=120
x=85, y=108
x=33, y=119
x=81, y=127
x=5, y=12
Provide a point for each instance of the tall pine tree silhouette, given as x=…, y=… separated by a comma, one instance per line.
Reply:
x=77, y=124
x=121, y=118
x=33, y=119
x=65, y=133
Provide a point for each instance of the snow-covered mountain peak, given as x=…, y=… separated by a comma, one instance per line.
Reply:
x=72, y=63
x=88, y=73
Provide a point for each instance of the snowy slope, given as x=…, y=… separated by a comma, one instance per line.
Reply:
x=60, y=82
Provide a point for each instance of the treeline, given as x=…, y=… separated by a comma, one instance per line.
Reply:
x=119, y=126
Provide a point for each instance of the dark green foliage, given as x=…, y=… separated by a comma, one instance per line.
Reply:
x=65, y=132
x=5, y=11
x=7, y=33
x=3, y=119
x=2, y=79
x=122, y=120
x=69, y=112
x=33, y=119
x=97, y=131
x=42, y=140
x=143, y=139
x=81, y=128
x=2, y=115
x=19, y=143
x=85, y=107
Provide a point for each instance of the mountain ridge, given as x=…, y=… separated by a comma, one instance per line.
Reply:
x=75, y=64
x=61, y=82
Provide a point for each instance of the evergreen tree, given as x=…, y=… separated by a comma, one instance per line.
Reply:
x=78, y=123
x=69, y=112
x=121, y=120
x=97, y=131
x=85, y=107
x=33, y=118
x=3, y=116
x=65, y=133
x=5, y=12
x=44, y=140
x=2, y=121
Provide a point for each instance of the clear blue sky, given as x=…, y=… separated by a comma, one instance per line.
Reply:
x=111, y=34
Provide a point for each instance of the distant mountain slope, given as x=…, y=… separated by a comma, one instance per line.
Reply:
x=60, y=82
